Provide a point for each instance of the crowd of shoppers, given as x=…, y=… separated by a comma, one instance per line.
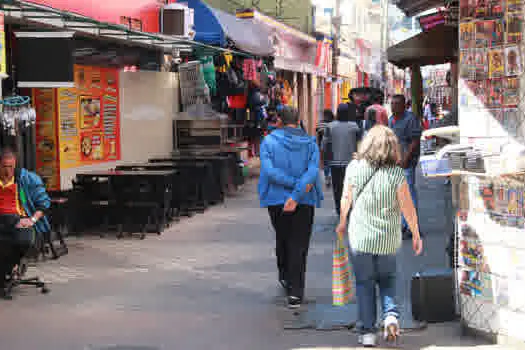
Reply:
x=372, y=170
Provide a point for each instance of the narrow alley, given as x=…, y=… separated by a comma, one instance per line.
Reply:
x=207, y=283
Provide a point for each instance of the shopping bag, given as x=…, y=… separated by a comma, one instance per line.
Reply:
x=342, y=291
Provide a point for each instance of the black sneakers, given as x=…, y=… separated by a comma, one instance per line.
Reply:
x=294, y=302
x=283, y=284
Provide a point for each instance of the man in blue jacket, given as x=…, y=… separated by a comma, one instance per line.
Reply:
x=289, y=186
x=23, y=203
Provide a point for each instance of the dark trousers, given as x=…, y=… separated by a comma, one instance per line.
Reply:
x=338, y=179
x=14, y=244
x=293, y=232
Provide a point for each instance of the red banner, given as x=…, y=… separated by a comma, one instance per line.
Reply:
x=146, y=11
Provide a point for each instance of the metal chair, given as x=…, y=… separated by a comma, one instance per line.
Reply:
x=16, y=277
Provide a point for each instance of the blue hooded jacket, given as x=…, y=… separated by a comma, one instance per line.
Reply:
x=33, y=196
x=289, y=162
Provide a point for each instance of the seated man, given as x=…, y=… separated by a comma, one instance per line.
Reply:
x=23, y=201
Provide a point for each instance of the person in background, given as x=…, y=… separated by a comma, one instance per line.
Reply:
x=425, y=123
x=430, y=114
x=376, y=113
x=339, y=145
x=377, y=190
x=23, y=203
x=273, y=122
x=328, y=117
x=408, y=131
x=433, y=115
x=289, y=186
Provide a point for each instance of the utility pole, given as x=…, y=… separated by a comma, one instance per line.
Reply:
x=384, y=45
x=336, y=23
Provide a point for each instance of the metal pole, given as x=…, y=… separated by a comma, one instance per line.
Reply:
x=384, y=45
x=336, y=22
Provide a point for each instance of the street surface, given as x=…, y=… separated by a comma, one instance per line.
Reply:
x=208, y=282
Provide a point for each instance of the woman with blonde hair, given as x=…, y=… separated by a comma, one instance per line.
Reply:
x=376, y=188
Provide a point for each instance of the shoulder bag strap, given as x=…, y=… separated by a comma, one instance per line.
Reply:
x=364, y=186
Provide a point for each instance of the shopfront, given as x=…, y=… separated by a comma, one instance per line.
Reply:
x=90, y=108
x=295, y=56
x=364, y=55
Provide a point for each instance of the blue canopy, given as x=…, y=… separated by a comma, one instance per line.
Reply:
x=216, y=27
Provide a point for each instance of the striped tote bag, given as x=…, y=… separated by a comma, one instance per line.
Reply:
x=342, y=286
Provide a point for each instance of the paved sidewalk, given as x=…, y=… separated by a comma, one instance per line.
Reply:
x=209, y=282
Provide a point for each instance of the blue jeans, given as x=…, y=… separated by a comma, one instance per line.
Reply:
x=327, y=171
x=371, y=270
x=410, y=175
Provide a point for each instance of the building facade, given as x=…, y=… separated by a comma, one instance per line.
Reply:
x=294, y=13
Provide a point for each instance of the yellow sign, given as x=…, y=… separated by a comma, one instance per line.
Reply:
x=68, y=128
x=3, y=63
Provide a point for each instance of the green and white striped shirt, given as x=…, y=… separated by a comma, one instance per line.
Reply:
x=375, y=221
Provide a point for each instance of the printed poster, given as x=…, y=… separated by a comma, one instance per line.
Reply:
x=481, y=8
x=485, y=29
x=495, y=8
x=471, y=255
x=496, y=91
x=469, y=64
x=467, y=32
x=476, y=284
x=68, y=128
x=496, y=63
x=464, y=67
x=514, y=26
x=47, y=162
x=513, y=61
x=481, y=92
x=3, y=63
x=511, y=92
x=514, y=6
x=90, y=115
x=467, y=9
x=498, y=36
x=482, y=64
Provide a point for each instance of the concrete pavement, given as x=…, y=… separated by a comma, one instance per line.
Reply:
x=209, y=282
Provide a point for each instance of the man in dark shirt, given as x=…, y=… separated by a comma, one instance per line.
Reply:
x=408, y=130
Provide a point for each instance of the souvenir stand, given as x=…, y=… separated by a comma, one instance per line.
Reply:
x=17, y=123
x=438, y=88
x=488, y=174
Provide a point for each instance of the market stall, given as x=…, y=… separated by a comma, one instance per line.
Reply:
x=298, y=58
x=90, y=107
x=487, y=170
x=490, y=220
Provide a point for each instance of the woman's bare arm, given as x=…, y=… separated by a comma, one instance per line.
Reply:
x=409, y=212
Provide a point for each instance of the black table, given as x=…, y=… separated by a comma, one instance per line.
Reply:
x=137, y=190
x=178, y=200
x=221, y=170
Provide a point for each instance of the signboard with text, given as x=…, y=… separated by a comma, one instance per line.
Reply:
x=89, y=118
